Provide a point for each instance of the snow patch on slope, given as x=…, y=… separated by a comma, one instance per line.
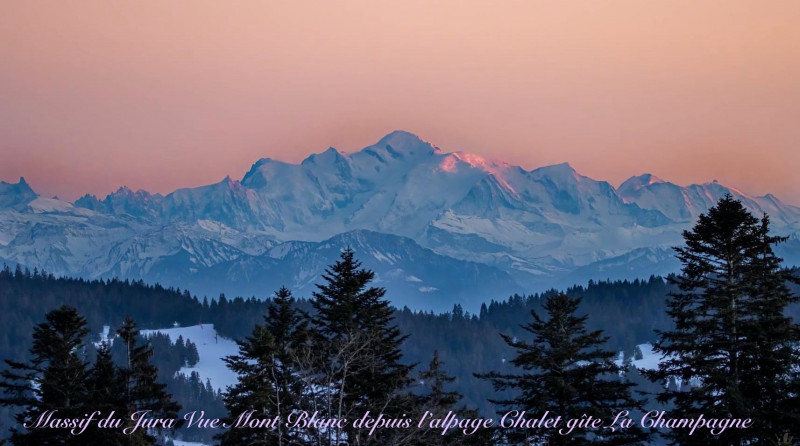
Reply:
x=211, y=348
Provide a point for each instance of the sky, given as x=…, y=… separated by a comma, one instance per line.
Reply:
x=159, y=95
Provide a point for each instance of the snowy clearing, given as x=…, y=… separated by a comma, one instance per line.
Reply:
x=211, y=348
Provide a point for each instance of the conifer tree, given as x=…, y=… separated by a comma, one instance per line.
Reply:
x=269, y=384
x=181, y=352
x=566, y=372
x=732, y=343
x=440, y=401
x=353, y=326
x=192, y=355
x=141, y=389
x=435, y=378
x=773, y=378
x=53, y=380
x=106, y=394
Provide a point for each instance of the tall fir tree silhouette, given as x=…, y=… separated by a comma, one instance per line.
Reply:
x=106, y=393
x=774, y=378
x=439, y=398
x=53, y=380
x=732, y=346
x=140, y=385
x=361, y=365
x=270, y=381
x=566, y=371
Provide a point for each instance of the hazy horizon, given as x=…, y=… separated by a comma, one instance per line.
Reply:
x=164, y=95
x=346, y=152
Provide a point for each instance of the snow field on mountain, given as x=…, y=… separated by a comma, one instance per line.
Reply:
x=529, y=230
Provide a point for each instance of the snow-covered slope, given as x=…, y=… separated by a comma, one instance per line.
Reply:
x=649, y=360
x=413, y=276
x=464, y=225
x=686, y=203
x=211, y=348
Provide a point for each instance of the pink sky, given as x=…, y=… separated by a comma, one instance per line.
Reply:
x=160, y=95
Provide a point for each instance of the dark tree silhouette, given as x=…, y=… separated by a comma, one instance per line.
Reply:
x=566, y=371
x=269, y=379
x=361, y=366
x=732, y=346
x=53, y=380
x=140, y=385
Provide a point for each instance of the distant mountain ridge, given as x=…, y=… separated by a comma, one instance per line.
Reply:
x=512, y=229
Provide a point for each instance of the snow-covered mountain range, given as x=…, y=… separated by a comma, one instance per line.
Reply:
x=438, y=228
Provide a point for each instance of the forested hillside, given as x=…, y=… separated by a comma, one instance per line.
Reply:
x=628, y=312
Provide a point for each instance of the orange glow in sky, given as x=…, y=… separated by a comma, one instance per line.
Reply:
x=159, y=94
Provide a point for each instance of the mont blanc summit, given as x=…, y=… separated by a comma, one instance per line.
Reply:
x=439, y=228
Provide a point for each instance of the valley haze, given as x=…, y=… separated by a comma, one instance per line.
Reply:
x=438, y=228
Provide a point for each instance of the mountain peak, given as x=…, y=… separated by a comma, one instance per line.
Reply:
x=21, y=186
x=557, y=170
x=16, y=193
x=261, y=162
x=399, y=135
x=565, y=165
x=256, y=176
x=638, y=182
x=126, y=193
x=331, y=155
x=651, y=179
x=400, y=143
